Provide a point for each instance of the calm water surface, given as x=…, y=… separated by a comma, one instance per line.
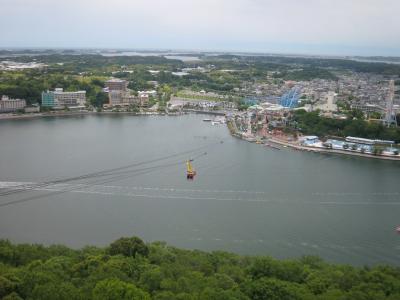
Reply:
x=246, y=198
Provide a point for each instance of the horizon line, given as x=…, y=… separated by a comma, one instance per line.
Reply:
x=194, y=51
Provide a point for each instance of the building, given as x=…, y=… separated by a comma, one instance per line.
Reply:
x=144, y=99
x=367, y=108
x=309, y=140
x=118, y=93
x=115, y=97
x=48, y=99
x=32, y=109
x=11, y=105
x=326, y=105
x=116, y=85
x=358, y=140
x=122, y=98
x=151, y=93
x=69, y=99
x=60, y=99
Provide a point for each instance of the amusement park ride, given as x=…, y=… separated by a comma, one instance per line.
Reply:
x=291, y=98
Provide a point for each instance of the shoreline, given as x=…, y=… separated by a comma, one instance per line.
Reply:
x=43, y=115
x=232, y=129
x=334, y=151
x=82, y=113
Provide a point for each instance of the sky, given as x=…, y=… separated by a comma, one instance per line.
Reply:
x=326, y=27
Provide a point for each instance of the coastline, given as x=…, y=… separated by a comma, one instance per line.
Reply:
x=82, y=113
x=78, y=113
x=42, y=115
x=334, y=151
x=231, y=126
x=270, y=139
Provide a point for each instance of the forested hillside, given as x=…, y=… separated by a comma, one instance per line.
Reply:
x=131, y=269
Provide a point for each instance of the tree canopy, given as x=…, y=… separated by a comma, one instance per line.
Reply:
x=131, y=269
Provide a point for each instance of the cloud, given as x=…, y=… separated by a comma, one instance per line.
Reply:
x=203, y=24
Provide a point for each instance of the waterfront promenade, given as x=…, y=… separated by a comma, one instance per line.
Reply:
x=335, y=151
x=279, y=140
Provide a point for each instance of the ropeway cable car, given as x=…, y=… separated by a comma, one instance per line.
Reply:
x=190, y=172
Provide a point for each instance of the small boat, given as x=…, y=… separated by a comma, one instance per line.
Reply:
x=398, y=229
x=206, y=120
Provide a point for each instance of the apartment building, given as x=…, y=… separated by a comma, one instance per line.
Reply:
x=11, y=105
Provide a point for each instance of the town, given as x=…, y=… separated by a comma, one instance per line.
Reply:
x=272, y=106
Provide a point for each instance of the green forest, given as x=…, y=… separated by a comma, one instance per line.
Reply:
x=131, y=269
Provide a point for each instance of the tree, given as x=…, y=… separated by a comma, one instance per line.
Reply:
x=356, y=114
x=177, y=274
x=129, y=247
x=12, y=296
x=151, y=279
x=6, y=286
x=115, y=289
x=273, y=289
x=269, y=267
x=100, y=99
x=60, y=291
x=220, y=294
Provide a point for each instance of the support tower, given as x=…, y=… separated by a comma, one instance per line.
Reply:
x=390, y=115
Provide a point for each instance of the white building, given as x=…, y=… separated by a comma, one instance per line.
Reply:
x=151, y=93
x=11, y=105
x=329, y=105
x=69, y=99
x=32, y=109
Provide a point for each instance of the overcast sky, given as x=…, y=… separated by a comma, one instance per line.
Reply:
x=337, y=27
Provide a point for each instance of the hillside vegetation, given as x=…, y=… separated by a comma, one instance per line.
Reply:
x=131, y=269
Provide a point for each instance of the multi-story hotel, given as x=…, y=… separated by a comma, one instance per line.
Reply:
x=59, y=98
x=122, y=98
x=116, y=84
x=119, y=94
x=11, y=105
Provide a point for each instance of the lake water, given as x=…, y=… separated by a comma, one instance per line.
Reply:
x=168, y=55
x=246, y=198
